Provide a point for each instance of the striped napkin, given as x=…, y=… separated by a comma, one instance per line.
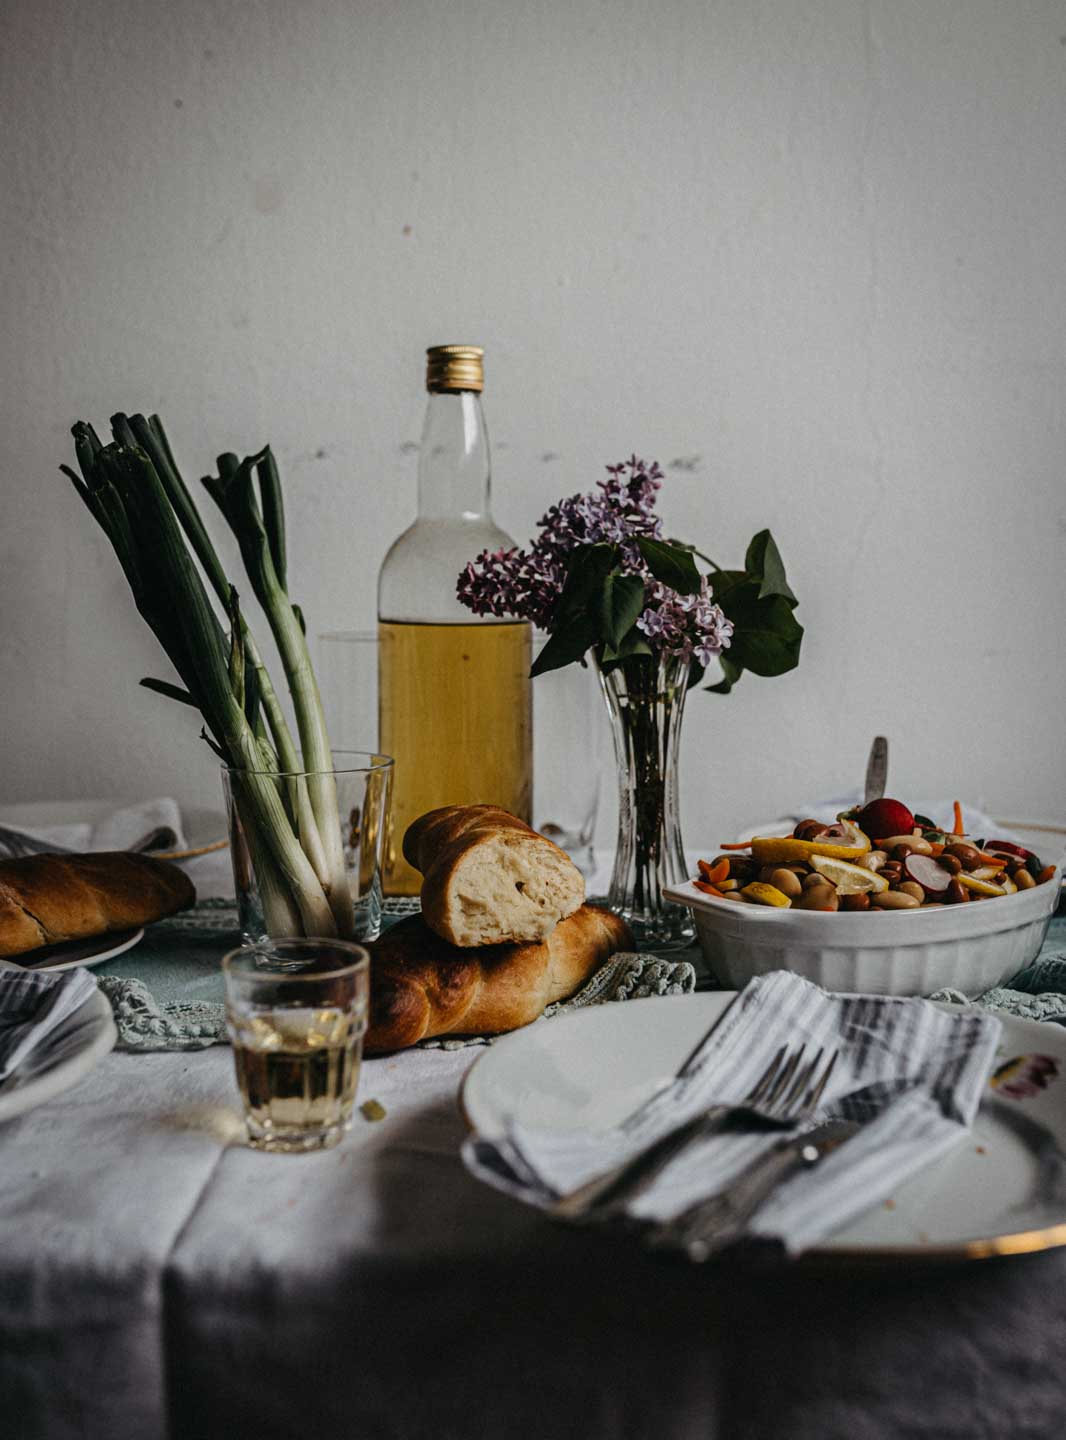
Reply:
x=910, y=1073
x=33, y=1004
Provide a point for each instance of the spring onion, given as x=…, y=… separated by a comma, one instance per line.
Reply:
x=135, y=492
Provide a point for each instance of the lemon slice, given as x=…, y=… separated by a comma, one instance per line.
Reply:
x=979, y=887
x=849, y=879
x=764, y=894
x=778, y=850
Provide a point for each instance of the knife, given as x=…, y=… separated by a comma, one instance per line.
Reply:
x=876, y=770
x=709, y=1225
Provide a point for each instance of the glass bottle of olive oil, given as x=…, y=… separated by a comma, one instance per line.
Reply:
x=453, y=688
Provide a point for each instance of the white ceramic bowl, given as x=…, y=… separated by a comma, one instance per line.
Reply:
x=894, y=952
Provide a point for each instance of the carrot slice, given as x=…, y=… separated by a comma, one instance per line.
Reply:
x=714, y=874
x=936, y=849
x=959, y=828
x=708, y=889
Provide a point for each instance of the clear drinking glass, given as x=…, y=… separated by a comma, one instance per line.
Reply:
x=568, y=752
x=296, y=1012
x=268, y=906
x=346, y=663
x=569, y=733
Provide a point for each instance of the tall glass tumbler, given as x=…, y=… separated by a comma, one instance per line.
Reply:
x=296, y=1012
x=271, y=903
x=569, y=733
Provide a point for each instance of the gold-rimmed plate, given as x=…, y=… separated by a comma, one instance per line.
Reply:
x=1002, y=1191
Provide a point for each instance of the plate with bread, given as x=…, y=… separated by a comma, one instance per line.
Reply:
x=58, y=911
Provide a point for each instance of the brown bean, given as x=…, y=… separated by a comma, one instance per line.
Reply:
x=895, y=900
x=765, y=873
x=787, y=881
x=818, y=897
x=859, y=900
x=951, y=863
x=967, y=856
x=956, y=893
x=1023, y=879
x=892, y=871
x=813, y=880
x=911, y=887
x=809, y=830
x=873, y=860
x=742, y=868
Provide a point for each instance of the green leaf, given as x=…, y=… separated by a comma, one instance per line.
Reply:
x=672, y=564
x=563, y=647
x=767, y=636
x=587, y=566
x=764, y=562
x=621, y=603
x=730, y=675
x=632, y=644
x=273, y=512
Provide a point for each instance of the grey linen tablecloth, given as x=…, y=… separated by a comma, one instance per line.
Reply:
x=158, y=1279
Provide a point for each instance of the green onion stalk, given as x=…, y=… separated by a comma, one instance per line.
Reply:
x=286, y=795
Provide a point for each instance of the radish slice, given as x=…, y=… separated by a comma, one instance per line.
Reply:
x=1007, y=847
x=933, y=879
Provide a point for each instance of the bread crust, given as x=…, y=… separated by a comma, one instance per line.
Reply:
x=46, y=899
x=421, y=987
x=489, y=878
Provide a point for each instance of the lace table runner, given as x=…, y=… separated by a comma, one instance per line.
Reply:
x=147, y=1021
x=166, y=993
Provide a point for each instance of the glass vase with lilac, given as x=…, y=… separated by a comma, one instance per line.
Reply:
x=609, y=588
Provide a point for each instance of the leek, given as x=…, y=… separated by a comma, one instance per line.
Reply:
x=135, y=492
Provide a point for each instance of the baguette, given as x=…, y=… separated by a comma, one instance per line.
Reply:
x=488, y=878
x=46, y=899
x=421, y=987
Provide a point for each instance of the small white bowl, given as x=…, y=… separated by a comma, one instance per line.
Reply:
x=893, y=952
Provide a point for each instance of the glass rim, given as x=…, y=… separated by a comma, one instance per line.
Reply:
x=379, y=761
x=359, y=965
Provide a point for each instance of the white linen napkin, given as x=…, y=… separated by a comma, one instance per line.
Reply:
x=117, y=831
x=32, y=1005
x=910, y=1073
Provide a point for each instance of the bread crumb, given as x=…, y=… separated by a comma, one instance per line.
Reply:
x=372, y=1110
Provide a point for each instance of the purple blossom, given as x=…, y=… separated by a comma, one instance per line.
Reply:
x=527, y=583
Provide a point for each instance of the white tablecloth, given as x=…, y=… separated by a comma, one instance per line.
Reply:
x=157, y=1280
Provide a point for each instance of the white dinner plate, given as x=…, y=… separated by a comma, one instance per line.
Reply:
x=75, y=1047
x=1001, y=1191
x=72, y=953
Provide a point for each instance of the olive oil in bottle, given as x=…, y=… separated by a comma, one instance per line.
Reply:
x=454, y=691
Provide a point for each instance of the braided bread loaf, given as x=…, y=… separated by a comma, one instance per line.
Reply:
x=420, y=986
x=488, y=878
x=45, y=899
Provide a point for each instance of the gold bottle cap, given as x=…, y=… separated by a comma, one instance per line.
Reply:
x=454, y=367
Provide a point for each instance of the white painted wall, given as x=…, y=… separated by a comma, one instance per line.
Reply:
x=809, y=255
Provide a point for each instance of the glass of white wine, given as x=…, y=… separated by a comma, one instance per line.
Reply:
x=296, y=1012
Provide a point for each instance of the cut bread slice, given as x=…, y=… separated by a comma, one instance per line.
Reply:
x=488, y=878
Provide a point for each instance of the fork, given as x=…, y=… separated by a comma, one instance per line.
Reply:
x=773, y=1100
x=710, y=1224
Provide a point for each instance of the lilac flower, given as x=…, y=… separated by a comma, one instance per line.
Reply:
x=527, y=583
